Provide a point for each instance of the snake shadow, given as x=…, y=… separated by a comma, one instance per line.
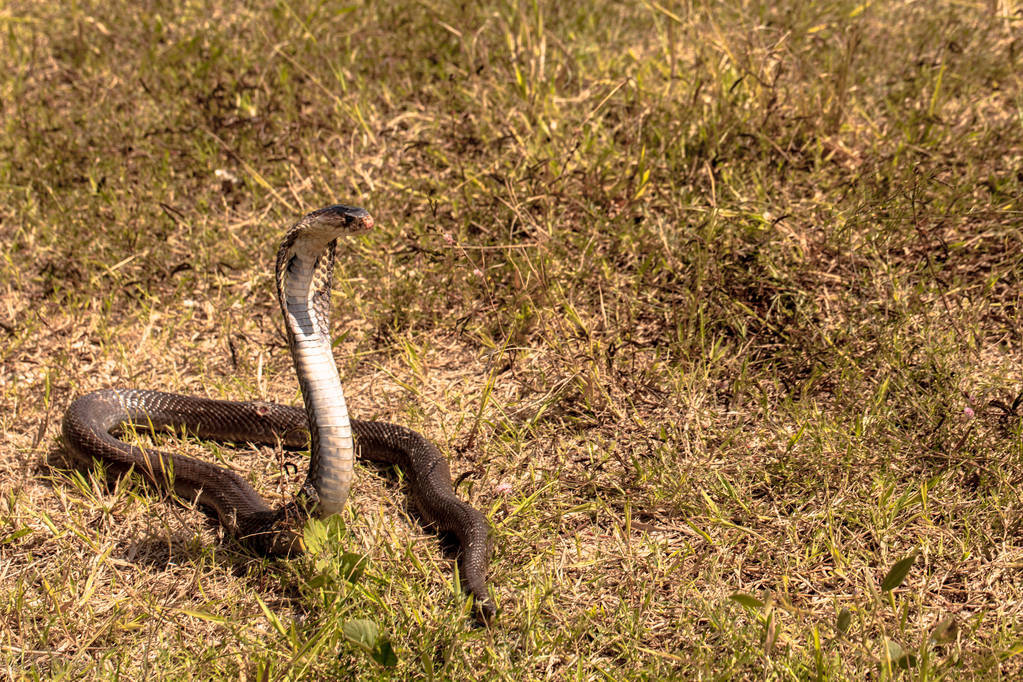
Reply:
x=162, y=543
x=448, y=541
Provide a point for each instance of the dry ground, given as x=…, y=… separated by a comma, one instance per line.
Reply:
x=717, y=307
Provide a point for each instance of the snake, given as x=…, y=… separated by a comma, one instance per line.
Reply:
x=95, y=423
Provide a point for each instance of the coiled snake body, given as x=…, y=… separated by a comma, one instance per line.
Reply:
x=304, y=273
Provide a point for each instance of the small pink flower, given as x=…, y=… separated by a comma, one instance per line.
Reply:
x=968, y=412
x=503, y=489
x=448, y=238
x=477, y=272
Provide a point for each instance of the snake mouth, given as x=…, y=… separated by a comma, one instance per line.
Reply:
x=366, y=222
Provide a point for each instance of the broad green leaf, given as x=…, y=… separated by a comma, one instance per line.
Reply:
x=352, y=566
x=898, y=573
x=898, y=657
x=746, y=600
x=319, y=580
x=843, y=621
x=362, y=633
x=335, y=527
x=945, y=631
x=314, y=534
x=384, y=654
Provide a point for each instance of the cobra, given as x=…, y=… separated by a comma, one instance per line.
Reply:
x=304, y=276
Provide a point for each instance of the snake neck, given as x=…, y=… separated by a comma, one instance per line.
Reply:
x=304, y=279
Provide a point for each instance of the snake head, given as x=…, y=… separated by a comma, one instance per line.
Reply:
x=339, y=218
x=311, y=235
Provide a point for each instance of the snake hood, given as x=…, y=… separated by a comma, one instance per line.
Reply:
x=305, y=273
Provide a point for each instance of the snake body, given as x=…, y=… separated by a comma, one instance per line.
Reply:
x=304, y=276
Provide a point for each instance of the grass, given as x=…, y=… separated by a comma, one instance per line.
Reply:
x=716, y=306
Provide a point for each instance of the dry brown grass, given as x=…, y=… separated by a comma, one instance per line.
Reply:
x=718, y=308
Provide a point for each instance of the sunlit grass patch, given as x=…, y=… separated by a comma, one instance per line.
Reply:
x=715, y=310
